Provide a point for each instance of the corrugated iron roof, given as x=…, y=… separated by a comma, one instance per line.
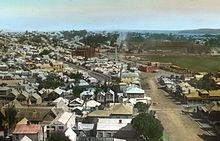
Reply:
x=27, y=129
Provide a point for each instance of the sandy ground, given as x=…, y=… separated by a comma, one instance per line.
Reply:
x=178, y=127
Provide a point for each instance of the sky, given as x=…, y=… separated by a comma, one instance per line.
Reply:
x=51, y=15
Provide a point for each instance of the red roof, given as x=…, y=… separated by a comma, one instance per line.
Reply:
x=27, y=129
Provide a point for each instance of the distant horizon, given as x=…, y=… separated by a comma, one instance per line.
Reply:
x=99, y=15
x=112, y=30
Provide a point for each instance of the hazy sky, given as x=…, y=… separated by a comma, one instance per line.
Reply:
x=109, y=14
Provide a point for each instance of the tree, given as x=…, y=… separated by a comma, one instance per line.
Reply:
x=58, y=136
x=148, y=126
x=77, y=90
x=45, y=52
x=51, y=82
x=206, y=83
x=141, y=107
x=10, y=115
x=77, y=76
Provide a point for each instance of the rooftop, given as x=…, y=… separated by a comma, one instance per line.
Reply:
x=27, y=129
x=112, y=124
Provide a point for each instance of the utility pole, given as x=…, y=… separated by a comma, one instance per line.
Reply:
x=116, y=53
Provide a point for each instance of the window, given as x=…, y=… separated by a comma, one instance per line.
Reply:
x=100, y=135
x=61, y=127
x=109, y=135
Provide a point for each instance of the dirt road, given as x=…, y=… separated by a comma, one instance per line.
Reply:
x=178, y=127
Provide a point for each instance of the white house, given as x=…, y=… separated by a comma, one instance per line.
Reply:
x=66, y=101
x=76, y=102
x=63, y=121
x=135, y=92
x=108, y=127
x=91, y=104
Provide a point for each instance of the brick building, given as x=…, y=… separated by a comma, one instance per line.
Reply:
x=84, y=52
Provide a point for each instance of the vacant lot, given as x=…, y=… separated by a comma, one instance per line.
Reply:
x=195, y=63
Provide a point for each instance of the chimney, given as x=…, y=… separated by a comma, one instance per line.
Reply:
x=120, y=121
x=28, y=123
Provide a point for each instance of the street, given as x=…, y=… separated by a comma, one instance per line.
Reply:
x=178, y=127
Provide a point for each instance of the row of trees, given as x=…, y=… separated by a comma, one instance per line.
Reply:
x=95, y=40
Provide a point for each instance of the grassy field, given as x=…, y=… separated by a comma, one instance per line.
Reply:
x=195, y=63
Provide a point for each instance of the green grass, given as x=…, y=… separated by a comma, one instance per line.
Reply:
x=195, y=63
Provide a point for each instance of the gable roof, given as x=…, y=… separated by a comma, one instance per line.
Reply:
x=134, y=90
x=25, y=138
x=117, y=109
x=23, y=121
x=59, y=91
x=61, y=99
x=63, y=118
x=77, y=100
x=35, y=113
x=27, y=129
x=122, y=109
x=15, y=92
x=91, y=103
x=25, y=94
x=83, y=83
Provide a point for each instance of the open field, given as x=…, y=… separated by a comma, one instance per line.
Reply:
x=195, y=63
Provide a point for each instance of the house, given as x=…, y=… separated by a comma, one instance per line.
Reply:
x=91, y=104
x=32, y=131
x=101, y=97
x=23, y=96
x=92, y=80
x=59, y=91
x=83, y=83
x=35, y=98
x=106, y=97
x=115, y=110
x=63, y=121
x=76, y=102
x=47, y=94
x=4, y=91
x=54, y=94
x=108, y=128
x=184, y=88
x=70, y=134
x=57, y=66
x=36, y=115
x=13, y=95
x=202, y=96
x=3, y=66
x=121, y=110
x=128, y=77
x=210, y=112
x=87, y=128
x=86, y=94
x=135, y=92
x=58, y=100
